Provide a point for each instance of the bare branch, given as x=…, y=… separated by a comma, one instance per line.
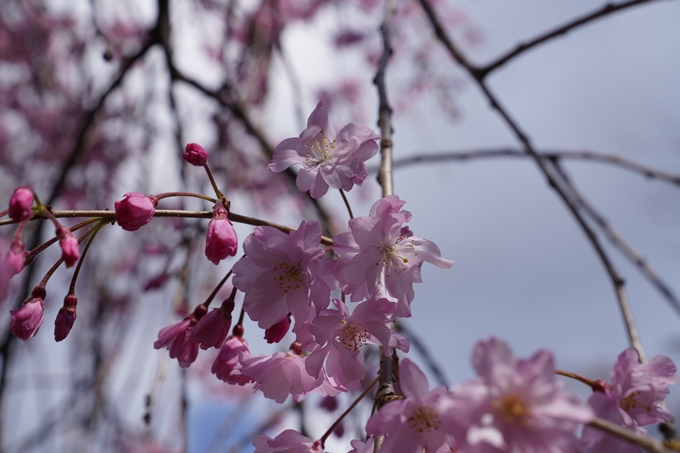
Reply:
x=606, y=10
x=592, y=156
x=552, y=175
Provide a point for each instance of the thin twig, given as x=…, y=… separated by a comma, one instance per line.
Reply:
x=559, y=31
x=349, y=208
x=651, y=445
x=613, y=159
x=551, y=173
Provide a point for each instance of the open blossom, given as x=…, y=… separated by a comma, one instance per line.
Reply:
x=221, y=240
x=135, y=210
x=280, y=374
x=380, y=258
x=633, y=399
x=515, y=405
x=289, y=441
x=343, y=336
x=416, y=423
x=195, y=154
x=283, y=273
x=212, y=329
x=26, y=321
x=20, y=204
x=327, y=159
x=227, y=365
x=176, y=337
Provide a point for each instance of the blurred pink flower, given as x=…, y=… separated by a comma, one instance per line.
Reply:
x=380, y=258
x=14, y=258
x=327, y=159
x=515, y=405
x=289, y=441
x=135, y=210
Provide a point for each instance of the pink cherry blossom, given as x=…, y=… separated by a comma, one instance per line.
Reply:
x=343, y=335
x=284, y=273
x=176, y=337
x=289, y=441
x=135, y=210
x=280, y=374
x=515, y=405
x=20, y=204
x=380, y=258
x=195, y=154
x=69, y=246
x=597, y=440
x=221, y=240
x=65, y=318
x=360, y=447
x=415, y=423
x=327, y=159
x=26, y=321
x=213, y=328
x=227, y=365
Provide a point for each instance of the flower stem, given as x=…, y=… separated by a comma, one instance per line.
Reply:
x=344, y=198
x=186, y=194
x=212, y=182
x=349, y=409
x=92, y=233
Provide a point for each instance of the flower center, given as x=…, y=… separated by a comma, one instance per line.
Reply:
x=352, y=338
x=513, y=409
x=630, y=402
x=290, y=276
x=320, y=150
x=393, y=255
x=424, y=419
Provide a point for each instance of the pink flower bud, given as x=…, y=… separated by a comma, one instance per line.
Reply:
x=227, y=365
x=15, y=257
x=275, y=333
x=221, y=240
x=69, y=246
x=195, y=154
x=135, y=210
x=20, y=204
x=212, y=329
x=65, y=318
x=27, y=320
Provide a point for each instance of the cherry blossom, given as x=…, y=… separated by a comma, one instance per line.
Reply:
x=20, y=204
x=69, y=246
x=176, y=337
x=227, y=365
x=26, y=321
x=280, y=374
x=327, y=159
x=380, y=258
x=415, y=423
x=212, y=329
x=14, y=258
x=343, y=335
x=221, y=240
x=194, y=154
x=515, y=405
x=283, y=273
x=135, y=210
x=289, y=441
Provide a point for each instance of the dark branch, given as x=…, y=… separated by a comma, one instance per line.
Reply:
x=607, y=9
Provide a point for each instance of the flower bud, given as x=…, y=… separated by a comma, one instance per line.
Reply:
x=69, y=246
x=20, y=204
x=195, y=154
x=275, y=333
x=212, y=329
x=26, y=321
x=14, y=258
x=135, y=210
x=65, y=318
x=221, y=240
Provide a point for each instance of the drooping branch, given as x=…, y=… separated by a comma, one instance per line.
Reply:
x=555, y=155
x=550, y=172
x=606, y=10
